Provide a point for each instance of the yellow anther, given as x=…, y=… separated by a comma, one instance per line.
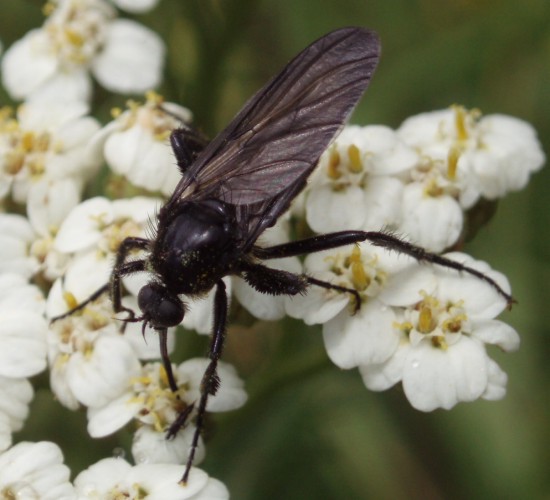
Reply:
x=354, y=155
x=359, y=278
x=14, y=162
x=70, y=300
x=460, y=122
x=433, y=189
x=74, y=38
x=439, y=342
x=48, y=8
x=454, y=324
x=425, y=320
x=140, y=380
x=333, y=169
x=154, y=98
x=163, y=376
x=452, y=161
x=27, y=141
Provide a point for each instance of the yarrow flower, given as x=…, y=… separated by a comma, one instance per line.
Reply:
x=35, y=470
x=441, y=358
x=52, y=63
x=423, y=326
x=419, y=180
x=116, y=478
x=355, y=185
x=136, y=143
x=43, y=153
x=149, y=399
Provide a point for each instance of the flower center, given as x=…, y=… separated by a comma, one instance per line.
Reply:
x=24, y=150
x=76, y=30
x=358, y=271
x=441, y=324
x=159, y=405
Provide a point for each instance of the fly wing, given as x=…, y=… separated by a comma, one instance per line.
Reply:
x=275, y=141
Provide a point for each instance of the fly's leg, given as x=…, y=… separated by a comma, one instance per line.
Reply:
x=186, y=143
x=120, y=269
x=278, y=282
x=210, y=381
x=377, y=238
x=123, y=268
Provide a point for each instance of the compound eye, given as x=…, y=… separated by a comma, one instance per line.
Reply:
x=160, y=307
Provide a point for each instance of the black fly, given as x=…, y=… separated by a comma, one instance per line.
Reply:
x=237, y=186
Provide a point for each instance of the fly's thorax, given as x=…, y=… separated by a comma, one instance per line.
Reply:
x=197, y=247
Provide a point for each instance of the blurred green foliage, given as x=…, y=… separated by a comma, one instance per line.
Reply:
x=311, y=431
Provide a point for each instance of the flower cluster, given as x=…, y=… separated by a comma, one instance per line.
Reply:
x=426, y=326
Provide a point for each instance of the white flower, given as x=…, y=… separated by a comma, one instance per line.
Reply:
x=45, y=146
x=480, y=156
x=114, y=478
x=150, y=401
x=380, y=277
x=101, y=224
x=441, y=358
x=354, y=186
x=52, y=62
x=94, y=230
x=90, y=359
x=35, y=470
x=23, y=332
x=15, y=397
x=137, y=143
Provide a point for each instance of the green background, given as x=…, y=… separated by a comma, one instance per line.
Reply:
x=310, y=430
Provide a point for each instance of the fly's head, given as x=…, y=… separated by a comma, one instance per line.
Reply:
x=161, y=308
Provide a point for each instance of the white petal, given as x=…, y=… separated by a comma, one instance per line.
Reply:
x=39, y=466
x=67, y=86
x=163, y=481
x=99, y=478
x=328, y=210
x=382, y=376
x=104, y=374
x=15, y=396
x=132, y=58
x=367, y=337
x=27, y=64
x=481, y=300
x=317, y=306
x=496, y=386
x=433, y=378
x=80, y=229
x=112, y=417
x=22, y=343
x=136, y=6
x=231, y=394
x=382, y=203
x=5, y=432
x=497, y=333
x=50, y=201
x=433, y=223
x=150, y=446
x=200, y=315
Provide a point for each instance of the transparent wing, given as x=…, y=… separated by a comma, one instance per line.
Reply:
x=275, y=141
